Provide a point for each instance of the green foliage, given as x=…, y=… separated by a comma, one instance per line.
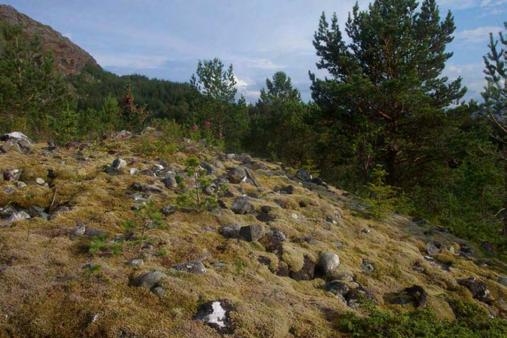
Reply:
x=471, y=321
x=31, y=90
x=381, y=197
x=193, y=196
x=214, y=81
x=65, y=126
x=279, y=116
x=101, y=245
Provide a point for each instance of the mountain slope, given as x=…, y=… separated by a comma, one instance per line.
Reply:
x=69, y=57
x=109, y=240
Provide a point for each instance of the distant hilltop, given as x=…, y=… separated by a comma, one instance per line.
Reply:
x=69, y=57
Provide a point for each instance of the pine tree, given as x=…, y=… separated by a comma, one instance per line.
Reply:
x=31, y=90
x=495, y=101
x=386, y=101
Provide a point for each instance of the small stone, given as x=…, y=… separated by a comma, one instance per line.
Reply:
x=191, y=267
x=21, y=184
x=328, y=263
x=208, y=167
x=133, y=171
x=367, y=266
x=12, y=174
x=18, y=216
x=230, y=230
x=433, y=248
x=242, y=206
x=158, y=291
x=40, y=181
x=170, y=181
x=478, y=289
x=303, y=175
x=137, y=262
x=168, y=210
x=251, y=233
x=414, y=295
x=337, y=287
x=236, y=175
x=149, y=280
x=289, y=190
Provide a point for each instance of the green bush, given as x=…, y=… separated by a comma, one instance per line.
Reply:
x=471, y=321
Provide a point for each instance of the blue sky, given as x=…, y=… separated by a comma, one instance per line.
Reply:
x=165, y=39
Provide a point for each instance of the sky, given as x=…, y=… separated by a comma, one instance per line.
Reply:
x=166, y=38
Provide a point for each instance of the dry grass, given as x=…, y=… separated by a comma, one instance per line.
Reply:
x=45, y=291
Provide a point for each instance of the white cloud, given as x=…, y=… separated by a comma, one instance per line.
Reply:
x=240, y=83
x=477, y=35
x=135, y=61
x=472, y=75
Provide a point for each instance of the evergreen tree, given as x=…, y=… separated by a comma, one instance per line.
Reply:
x=213, y=80
x=227, y=120
x=31, y=90
x=279, y=129
x=279, y=88
x=386, y=101
x=495, y=101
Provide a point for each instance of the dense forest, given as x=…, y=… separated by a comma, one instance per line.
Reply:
x=385, y=123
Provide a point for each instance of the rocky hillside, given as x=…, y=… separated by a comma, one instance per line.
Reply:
x=126, y=238
x=69, y=58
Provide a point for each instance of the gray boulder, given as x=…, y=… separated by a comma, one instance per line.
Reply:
x=230, y=230
x=12, y=174
x=150, y=280
x=16, y=141
x=242, y=206
x=327, y=264
x=236, y=175
x=251, y=233
x=170, y=181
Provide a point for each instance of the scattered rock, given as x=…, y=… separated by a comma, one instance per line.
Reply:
x=273, y=240
x=117, y=166
x=251, y=233
x=137, y=262
x=502, y=280
x=288, y=189
x=158, y=291
x=208, y=168
x=40, y=181
x=191, y=267
x=352, y=293
x=150, y=280
x=133, y=171
x=303, y=175
x=328, y=263
x=168, y=210
x=146, y=188
x=230, y=230
x=16, y=141
x=265, y=214
x=123, y=135
x=478, y=289
x=21, y=184
x=367, y=266
x=170, y=181
x=242, y=206
x=217, y=315
x=236, y=175
x=307, y=272
x=433, y=248
x=12, y=174
x=414, y=295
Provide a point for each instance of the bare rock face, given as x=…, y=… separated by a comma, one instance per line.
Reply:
x=69, y=58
